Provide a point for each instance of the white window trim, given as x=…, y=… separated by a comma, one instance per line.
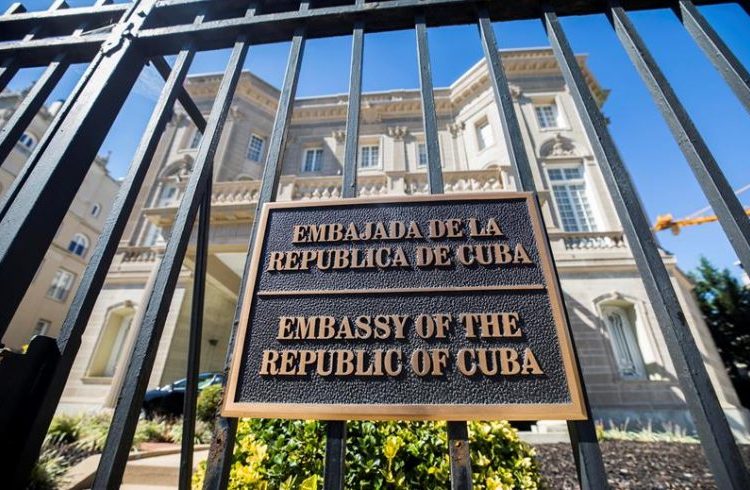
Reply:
x=262, y=148
x=628, y=339
x=593, y=200
x=32, y=137
x=379, y=164
x=318, y=162
x=67, y=291
x=563, y=123
x=420, y=165
x=480, y=123
x=84, y=240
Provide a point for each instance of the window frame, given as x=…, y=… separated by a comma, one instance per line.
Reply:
x=360, y=156
x=624, y=343
x=54, y=287
x=481, y=142
x=422, y=146
x=28, y=140
x=74, y=247
x=250, y=148
x=43, y=331
x=317, y=162
x=593, y=219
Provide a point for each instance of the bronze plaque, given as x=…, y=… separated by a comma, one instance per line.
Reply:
x=430, y=307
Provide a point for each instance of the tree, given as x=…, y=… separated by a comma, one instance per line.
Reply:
x=725, y=304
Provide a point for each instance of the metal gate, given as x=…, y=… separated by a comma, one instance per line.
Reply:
x=118, y=39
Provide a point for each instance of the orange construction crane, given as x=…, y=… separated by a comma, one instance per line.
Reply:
x=667, y=221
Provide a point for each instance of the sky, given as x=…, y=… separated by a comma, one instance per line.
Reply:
x=657, y=165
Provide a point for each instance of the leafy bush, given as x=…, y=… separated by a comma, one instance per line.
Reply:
x=64, y=429
x=93, y=431
x=48, y=472
x=153, y=431
x=389, y=455
x=209, y=400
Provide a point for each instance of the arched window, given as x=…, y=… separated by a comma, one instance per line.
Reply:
x=78, y=245
x=111, y=342
x=96, y=209
x=622, y=335
x=27, y=140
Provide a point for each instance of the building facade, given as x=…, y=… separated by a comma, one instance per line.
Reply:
x=626, y=367
x=47, y=300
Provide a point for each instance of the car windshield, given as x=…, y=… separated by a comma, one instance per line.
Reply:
x=204, y=379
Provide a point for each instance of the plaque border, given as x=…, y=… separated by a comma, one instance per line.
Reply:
x=574, y=410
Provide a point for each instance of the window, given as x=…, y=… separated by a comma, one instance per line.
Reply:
x=624, y=342
x=313, y=160
x=485, y=138
x=569, y=189
x=96, y=209
x=111, y=343
x=167, y=196
x=369, y=156
x=28, y=141
x=255, y=148
x=195, y=141
x=78, y=245
x=152, y=235
x=61, y=285
x=422, y=155
x=42, y=327
x=547, y=116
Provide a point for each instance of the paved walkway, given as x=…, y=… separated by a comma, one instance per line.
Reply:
x=142, y=472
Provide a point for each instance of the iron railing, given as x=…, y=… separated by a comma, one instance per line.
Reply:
x=117, y=40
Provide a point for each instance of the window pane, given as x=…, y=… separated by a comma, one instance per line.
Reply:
x=422, y=155
x=571, y=199
x=546, y=116
x=255, y=149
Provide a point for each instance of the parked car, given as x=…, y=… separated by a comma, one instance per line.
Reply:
x=168, y=400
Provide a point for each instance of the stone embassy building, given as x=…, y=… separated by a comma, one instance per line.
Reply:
x=625, y=363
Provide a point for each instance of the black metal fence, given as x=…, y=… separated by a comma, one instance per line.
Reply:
x=118, y=39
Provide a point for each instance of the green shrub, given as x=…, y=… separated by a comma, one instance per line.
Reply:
x=209, y=400
x=64, y=429
x=388, y=455
x=93, y=431
x=156, y=430
x=48, y=471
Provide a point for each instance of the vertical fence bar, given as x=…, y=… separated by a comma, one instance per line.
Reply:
x=586, y=451
x=69, y=339
x=194, y=347
x=720, y=195
x=222, y=443
x=120, y=436
x=31, y=219
x=458, y=434
x=713, y=47
x=718, y=444
x=429, y=116
x=335, y=464
x=352, y=116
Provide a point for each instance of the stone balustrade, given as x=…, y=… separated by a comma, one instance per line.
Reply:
x=590, y=240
